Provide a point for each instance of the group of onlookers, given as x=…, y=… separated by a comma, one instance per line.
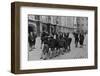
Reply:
x=79, y=38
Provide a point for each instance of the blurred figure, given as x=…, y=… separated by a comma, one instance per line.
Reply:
x=45, y=49
x=85, y=39
x=30, y=40
x=34, y=39
x=76, y=39
x=69, y=40
x=43, y=35
x=31, y=37
x=81, y=39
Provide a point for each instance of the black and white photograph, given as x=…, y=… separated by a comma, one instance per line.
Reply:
x=52, y=37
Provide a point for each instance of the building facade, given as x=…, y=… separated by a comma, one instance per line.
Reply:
x=52, y=24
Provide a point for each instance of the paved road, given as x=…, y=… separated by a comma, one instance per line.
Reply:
x=78, y=52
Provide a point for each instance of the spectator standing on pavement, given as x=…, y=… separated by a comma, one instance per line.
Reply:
x=31, y=37
x=34, y=39
x=81, y=39
x=76, y=39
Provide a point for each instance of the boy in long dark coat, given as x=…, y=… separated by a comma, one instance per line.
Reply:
x=81, y=39
x=45, y=48
x=76, y=39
